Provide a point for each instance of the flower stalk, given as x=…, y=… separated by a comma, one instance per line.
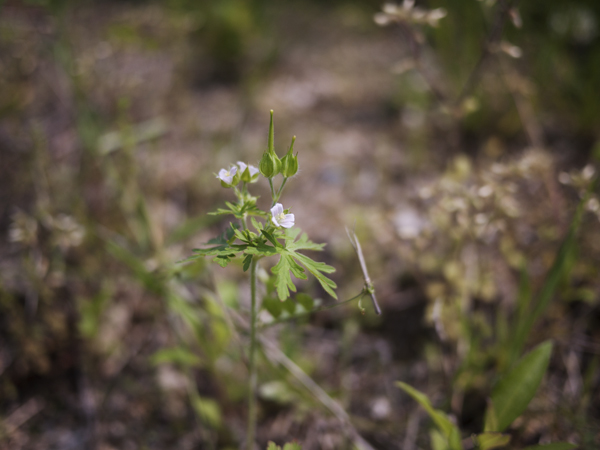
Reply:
x=252, y=360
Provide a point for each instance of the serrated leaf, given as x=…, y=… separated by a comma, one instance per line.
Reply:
x=448, y=429
x=256, y=225
x=489, y=441
x=304, y=244
x=222, y=261
x=260, y=250
x=246, y=263
x=283, y=280
x=553, y=446
x=317, y=269
x=513, y=393
x=270, y=238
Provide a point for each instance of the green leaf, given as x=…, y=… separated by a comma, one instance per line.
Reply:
x=273, y=306
x=559, y=270
x=491, y=418
x=247, y=261
x=553, y=446
x=292, y=446
x=513, y=393
x=260, y=249
x=273, y=446
x=488, y=441
x=175, y=355
x=258, y=226
x=438, y=441
x=222, y=261
x=270, y=238
x=306, y=301
x=317, y=269
x=290, y=261
x=304, y=244
x=208, y=410
x=282, y=271
x=289, y=306
x=448, y=429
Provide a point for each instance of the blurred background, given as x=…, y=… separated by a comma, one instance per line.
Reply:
x=462, y=149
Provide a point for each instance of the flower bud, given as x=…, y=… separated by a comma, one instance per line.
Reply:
x=270, y=165
x=248, y=173
x=289, y=163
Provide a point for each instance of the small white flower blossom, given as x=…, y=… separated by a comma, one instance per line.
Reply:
x=279, y=218
x=227, y=175
x=253, y=170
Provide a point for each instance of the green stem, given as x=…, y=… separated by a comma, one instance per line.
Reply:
x=252, y=360
x=280, y=191
x=272, y=191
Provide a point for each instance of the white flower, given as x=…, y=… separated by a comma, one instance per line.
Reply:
x=227, y=175
x=279, y=218
x=253, y=170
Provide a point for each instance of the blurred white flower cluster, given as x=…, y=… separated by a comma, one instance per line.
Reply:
x=393, y=13
x=471, y=229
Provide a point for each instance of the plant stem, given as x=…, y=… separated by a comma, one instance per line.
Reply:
x=252, y=361
x=272, y=191
x=280, y=190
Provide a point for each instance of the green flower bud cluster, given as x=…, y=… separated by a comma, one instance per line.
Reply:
x=270, y=165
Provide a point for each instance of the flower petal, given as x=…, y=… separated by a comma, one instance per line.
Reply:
x=242, y=166
x=276, y=210
x=288, y=221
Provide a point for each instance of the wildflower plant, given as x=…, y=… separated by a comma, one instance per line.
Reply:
x=256, y=233
x=271, y=232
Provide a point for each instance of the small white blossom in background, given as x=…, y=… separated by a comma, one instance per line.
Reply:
x=408, y=13
x=511, y=50
x=280, y=218
x=67, y=231
x=23, y=229
x=226, y=176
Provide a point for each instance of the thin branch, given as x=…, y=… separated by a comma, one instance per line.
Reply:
x=495, y=34
x=369, y=288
